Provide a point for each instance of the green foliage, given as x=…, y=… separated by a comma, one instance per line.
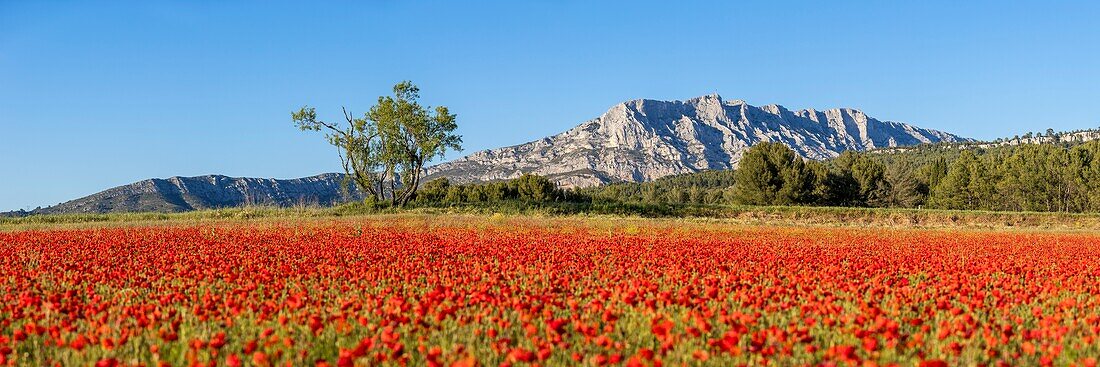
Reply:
x=861, y=181
x=1061, y=177
x=905, y=189
x=963, y=186
x=707, y=187
x=772, y=174
x=1052, y=177
x=362, y=148
x=527, y=188
x=534, y=188
x=384, y=152
x=412, y=135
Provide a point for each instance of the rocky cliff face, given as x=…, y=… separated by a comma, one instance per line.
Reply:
x=179, y=194
x=642, y=140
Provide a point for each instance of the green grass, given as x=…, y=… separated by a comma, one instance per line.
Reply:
x=831, y=216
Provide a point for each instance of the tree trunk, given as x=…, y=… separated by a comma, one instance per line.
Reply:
x=407, y=192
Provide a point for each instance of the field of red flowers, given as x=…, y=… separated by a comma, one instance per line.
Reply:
x=522, y=292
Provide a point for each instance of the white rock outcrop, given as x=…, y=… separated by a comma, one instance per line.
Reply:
x=642, y=140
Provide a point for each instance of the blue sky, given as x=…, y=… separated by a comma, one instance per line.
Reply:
x=99, y=94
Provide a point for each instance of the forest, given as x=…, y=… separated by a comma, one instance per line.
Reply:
x=1052, y=177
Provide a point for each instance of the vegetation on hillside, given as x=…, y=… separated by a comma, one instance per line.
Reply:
x=1029, y=177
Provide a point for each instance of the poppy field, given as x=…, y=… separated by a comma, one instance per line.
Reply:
x=545, y=292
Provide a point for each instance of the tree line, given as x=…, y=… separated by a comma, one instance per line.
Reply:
x=1027, y=177
x=527, y=188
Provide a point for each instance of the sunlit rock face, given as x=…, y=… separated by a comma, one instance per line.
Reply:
x=642, y=140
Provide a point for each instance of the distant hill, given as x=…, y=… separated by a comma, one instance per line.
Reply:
x=179, y=194
x=642, y=140
x=1050, y=137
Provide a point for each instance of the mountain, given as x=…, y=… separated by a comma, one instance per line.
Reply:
x=635, y=141
x=642, y=140
x=179, y=194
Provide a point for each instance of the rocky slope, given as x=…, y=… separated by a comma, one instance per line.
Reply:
x=179, y=194
x=642, y=140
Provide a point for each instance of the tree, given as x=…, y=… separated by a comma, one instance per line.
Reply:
x=798, y=181
x=1038, y=178
x=829, y=188
x=455, y=194
x=391, y=144
x=677, y=195
x=696, y=195
x=933, y=172
x=906, y=189
x=772, y=174
x=534, y=188
x=361, y=149
x=434, y=190
x=862, y=181
x=496, y=191
x=967, y=185
x=476, y=194
x=414, y=136
x=649, y=194
x=758, y=178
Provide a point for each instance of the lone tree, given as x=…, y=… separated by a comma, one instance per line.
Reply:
x=384, y=152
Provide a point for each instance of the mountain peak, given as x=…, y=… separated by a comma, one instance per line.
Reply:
x=645, y=139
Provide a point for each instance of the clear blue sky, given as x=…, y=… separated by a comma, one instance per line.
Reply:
x=99, y=94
